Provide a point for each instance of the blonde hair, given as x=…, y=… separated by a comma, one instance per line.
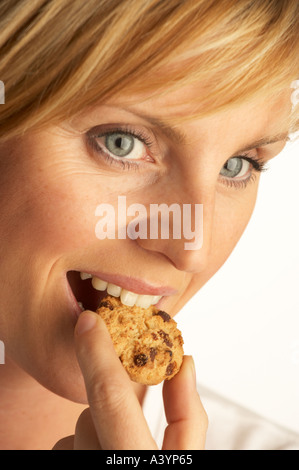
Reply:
x=59, y=56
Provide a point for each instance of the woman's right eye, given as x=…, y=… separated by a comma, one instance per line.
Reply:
x=120, y=145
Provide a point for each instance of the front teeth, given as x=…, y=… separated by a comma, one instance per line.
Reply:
x=98, y=284
x=127, y=297
x=114, y=290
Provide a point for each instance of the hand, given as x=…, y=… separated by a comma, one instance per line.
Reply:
x=114, y=419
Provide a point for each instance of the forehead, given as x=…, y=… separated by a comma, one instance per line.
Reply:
x=185, y=104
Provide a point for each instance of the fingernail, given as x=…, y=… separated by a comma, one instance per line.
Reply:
x=86, y=322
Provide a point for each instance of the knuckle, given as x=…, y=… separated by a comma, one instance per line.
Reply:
x=106, y=394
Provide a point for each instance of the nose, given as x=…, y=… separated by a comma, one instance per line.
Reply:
x=184, y=232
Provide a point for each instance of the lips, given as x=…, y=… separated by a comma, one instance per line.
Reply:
x=89, y=289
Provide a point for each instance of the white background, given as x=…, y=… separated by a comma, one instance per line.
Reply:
x=242, y=328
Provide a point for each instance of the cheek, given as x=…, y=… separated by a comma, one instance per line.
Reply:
x=50, y=217
x=61, y=220
x=49, y=206
x=232, y=215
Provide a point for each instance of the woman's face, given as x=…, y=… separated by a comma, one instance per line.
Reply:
x=53, y=180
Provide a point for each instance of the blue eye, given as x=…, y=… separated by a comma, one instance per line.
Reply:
x=123, y=146
x=235, y=167
x=120, y=144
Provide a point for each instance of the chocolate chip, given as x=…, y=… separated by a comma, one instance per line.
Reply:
x=166, y=339
x=153, y=353
x=163, y=315
x=107, y=304
x=170, y=353
x=170, y=368
x=154, y=336
x=140, y=360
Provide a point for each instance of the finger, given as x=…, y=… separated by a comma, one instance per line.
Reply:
x=67, y=443
x=85, y=435
x=114, y=407
x=186, y=417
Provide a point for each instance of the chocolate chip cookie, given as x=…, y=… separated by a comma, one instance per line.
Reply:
x=147, y=341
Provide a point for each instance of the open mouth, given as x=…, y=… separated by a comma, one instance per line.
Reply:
x=89, y=290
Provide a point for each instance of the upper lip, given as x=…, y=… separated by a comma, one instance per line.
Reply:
x=139, y=286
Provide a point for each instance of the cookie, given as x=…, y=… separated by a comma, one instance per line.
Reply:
x=147, y=341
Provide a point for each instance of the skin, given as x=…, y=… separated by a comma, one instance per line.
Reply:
x=51, y=182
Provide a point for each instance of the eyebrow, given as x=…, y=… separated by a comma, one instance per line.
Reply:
x=176, y=135
x=180, y=138
x=265, y=141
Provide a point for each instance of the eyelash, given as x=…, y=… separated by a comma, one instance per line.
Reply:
x=258, y=165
